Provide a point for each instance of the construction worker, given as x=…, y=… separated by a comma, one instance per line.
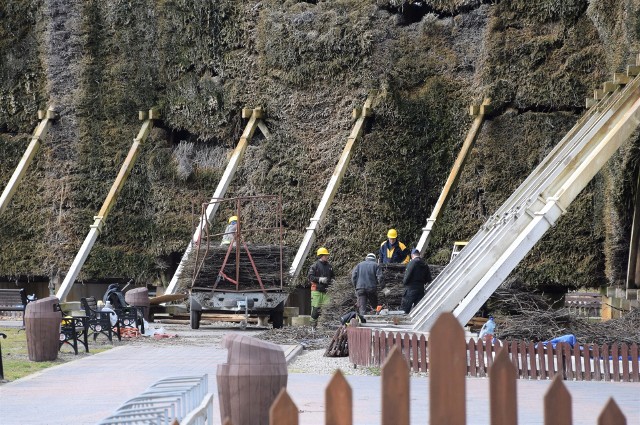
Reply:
x=392, y=250
x=230, y=232
x=320, y=277
x=366, y=277
x=416, y=276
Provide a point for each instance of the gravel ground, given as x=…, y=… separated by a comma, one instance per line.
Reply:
x=314, y=362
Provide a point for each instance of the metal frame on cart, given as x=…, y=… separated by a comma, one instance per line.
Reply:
x=239, y=244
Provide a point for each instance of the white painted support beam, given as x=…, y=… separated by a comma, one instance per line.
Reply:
x=509, y=259
x=507, y=220
x=79, y=260
x=452, y=180
x=592, y=160
x=331, y=190
x=38, y=135
x=471, y=278
x=109, y=202
x=255, y=121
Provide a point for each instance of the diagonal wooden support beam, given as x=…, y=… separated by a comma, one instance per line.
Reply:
x=46, y=117
x=255, y=117
x=478, y=111
x=109, y=202
x=361, y=114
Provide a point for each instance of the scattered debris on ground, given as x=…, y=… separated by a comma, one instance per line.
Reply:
x=309, y=338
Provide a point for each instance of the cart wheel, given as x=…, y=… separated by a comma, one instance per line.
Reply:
x=195, y=319
x=243, y=325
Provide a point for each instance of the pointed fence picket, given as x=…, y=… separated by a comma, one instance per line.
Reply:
x=338, y=398
x=557, y=404
x=588, y=362
x=449, y=367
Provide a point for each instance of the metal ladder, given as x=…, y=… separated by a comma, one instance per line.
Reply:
x=501, y=243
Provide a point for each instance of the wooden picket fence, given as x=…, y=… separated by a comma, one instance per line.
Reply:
x=590, y=362
x=448, y=359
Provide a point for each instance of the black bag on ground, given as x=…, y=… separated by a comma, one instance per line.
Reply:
x=345, y=319
x=115, y=296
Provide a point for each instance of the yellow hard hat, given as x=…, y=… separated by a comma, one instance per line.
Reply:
x=322, y=251
x=233, y=218
x=392, y=233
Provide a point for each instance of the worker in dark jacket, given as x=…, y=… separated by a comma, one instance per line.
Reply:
x=392, y=250
x=416, y=276
x=320, y=277
x=366, y=277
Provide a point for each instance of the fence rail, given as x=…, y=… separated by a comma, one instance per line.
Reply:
x=589, y=362
x=447, y=392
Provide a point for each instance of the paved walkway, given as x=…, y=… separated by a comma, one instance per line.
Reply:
x=89, y=389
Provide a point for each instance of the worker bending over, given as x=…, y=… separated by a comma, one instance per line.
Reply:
x=320, y=276
x=392, y=250
x=366, y=277
x=416, y=276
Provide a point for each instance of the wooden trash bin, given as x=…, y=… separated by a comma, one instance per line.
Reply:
x=251, y=379
x=139, y=297
x=42, y=328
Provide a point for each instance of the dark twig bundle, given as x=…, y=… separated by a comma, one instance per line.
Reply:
x=343, y=297
x=209, y=265
x=310, y=339
x=543, y=325
x=338, y=347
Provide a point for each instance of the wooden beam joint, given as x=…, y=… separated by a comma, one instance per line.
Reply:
x=249, y=112
x=609, y=86
x=633, y=70
x=154, y=113
x=621, y=78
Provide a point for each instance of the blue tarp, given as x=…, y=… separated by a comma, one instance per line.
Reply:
x=569, y=339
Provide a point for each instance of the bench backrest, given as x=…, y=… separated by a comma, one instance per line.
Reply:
x=89, y=304
x=13, y=297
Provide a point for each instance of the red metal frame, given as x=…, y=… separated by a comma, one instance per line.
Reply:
x=238, y=241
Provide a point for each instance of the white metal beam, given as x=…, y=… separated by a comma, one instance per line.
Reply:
x=591, y=162
x=255, y=121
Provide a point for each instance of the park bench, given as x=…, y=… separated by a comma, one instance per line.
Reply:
x=98, y=321
x=13, y=300
x=129, y=316
x=73, y=330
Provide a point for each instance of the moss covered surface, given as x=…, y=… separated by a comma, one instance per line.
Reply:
x=307, y=65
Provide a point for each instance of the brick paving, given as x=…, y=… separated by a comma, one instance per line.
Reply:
x=91, y=388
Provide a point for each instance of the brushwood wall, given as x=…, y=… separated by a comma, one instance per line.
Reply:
x=307, y=64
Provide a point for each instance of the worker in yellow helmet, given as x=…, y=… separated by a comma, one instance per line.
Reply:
x=320, y=277
x=392, y=250
x=230, y=232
